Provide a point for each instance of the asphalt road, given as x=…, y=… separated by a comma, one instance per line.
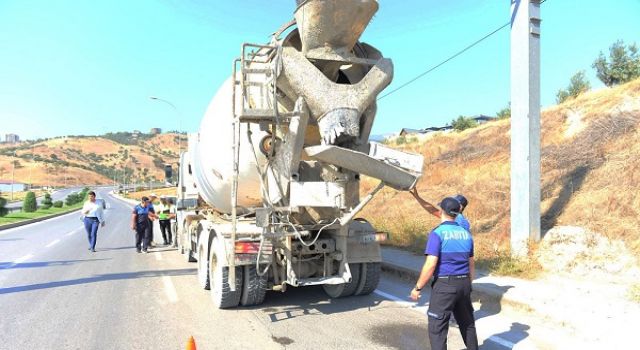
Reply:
x=55, y=294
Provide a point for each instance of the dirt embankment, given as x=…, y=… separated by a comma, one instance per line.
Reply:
x=590, y=177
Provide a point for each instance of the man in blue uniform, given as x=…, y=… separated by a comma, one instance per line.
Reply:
x=140, y=223
x=450, y=262
x=433, y=210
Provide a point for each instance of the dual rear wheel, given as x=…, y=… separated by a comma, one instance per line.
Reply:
x=364, y=280
x=250, y=288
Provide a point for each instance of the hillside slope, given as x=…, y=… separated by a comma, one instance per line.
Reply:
x=90, y=159
x=590, y=175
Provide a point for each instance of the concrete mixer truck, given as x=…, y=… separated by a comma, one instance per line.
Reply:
x=276, y=165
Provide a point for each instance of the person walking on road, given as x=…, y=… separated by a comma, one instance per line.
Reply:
x=449, y=260
x=166, y=212
x=140, y=223
x=92, y=217
x=151, y=200
x=433, y=210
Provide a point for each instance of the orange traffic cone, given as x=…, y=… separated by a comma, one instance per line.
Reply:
x=191, y=344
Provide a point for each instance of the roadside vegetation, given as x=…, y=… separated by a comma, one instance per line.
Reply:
x=586, y=142
x=74, y=201
x=14, y=217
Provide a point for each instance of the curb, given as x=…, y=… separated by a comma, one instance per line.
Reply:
x=33, y=221
x=480, y=292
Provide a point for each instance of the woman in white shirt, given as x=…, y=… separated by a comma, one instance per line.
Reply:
x=92, y=217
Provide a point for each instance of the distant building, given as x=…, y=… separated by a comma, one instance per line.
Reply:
x=5, y=186
x=480, y=119
x=136, y=134
x=155, y=131
x=407, y=131
x=11, y=138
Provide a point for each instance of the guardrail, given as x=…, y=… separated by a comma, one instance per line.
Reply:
x=14, y=209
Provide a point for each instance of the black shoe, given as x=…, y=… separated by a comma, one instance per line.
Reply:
x=93, y=250
x=145, y=251
x=138, y=251
x=166, y=243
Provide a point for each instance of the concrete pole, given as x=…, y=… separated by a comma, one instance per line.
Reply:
x=13, y=172
x=525, y=124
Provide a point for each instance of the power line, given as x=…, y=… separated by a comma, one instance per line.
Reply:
x=445, y=61
x=448, y=59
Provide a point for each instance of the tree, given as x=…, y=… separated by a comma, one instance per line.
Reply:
x=46, y=202
x=623, y=64
x=463, y=123
x=504, y=113
x=577, y=85
x=29, y=205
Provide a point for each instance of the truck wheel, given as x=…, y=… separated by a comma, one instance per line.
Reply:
x=221, y=293
x=344, y=289
x=254, y=287
x=203, y=268
x=369, y=278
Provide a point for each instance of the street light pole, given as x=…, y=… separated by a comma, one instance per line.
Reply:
x=179, y=121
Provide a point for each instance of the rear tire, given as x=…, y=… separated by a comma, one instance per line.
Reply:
x=344, y=289
x=369, y=278
x=254, y=287
x=221, y=293
x=203, y=268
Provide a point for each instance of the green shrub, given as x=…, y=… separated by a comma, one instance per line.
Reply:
x=30, y=205
x=401, y=140
x=3, y=210
x=46, y=202
x=622, y=66
x=504, y=113
x=463, y=123
x=72, y=199
x=578, y=85
x=57, y=204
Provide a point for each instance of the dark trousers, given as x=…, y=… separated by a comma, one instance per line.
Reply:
x=451, y=296
x=91, y=226
x=142, y=237
x=150, y=231
x=165, y=228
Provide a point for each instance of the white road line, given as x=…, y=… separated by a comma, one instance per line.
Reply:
x=52, y=243
x=72, y=232
x=169, y=289
x=22, y=259
x=423, y=309
x=158, y=256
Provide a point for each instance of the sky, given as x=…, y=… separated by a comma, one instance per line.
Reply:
x=73, y=67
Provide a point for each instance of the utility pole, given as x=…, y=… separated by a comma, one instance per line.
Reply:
x=525, y=124
x=13, y=172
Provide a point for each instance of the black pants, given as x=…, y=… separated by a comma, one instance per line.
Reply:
x=150, y=231
x=165, y=227
x=451, y=295
x=142, y=237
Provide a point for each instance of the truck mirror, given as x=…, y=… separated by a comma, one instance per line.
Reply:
x=168, y=172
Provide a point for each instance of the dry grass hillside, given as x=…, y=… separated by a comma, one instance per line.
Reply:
x=90, y=159
x=590, y=178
